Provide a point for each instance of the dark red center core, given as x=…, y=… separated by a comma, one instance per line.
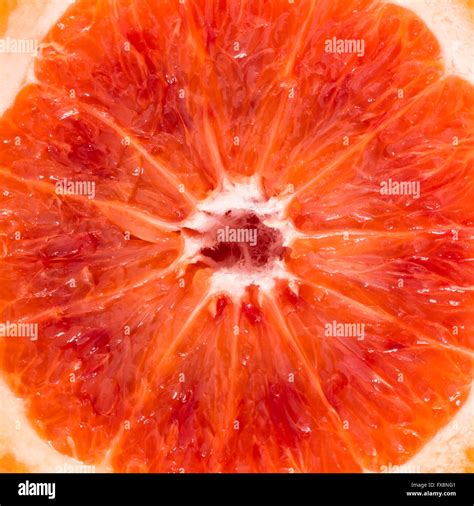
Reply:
x=242, y=239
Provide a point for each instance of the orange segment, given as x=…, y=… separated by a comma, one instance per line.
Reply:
x=392, y=275
x=427, y=148
x=137, y=62
x=339, y=100
x=80, y=148
x=184, y=390
x=94, y=370
x=381, y=365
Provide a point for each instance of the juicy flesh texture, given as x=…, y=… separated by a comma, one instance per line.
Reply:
x=138, y=364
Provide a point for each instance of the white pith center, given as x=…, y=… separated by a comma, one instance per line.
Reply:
x=239, y=196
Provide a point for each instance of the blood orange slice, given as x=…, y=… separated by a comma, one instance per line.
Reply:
x=236, y=236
